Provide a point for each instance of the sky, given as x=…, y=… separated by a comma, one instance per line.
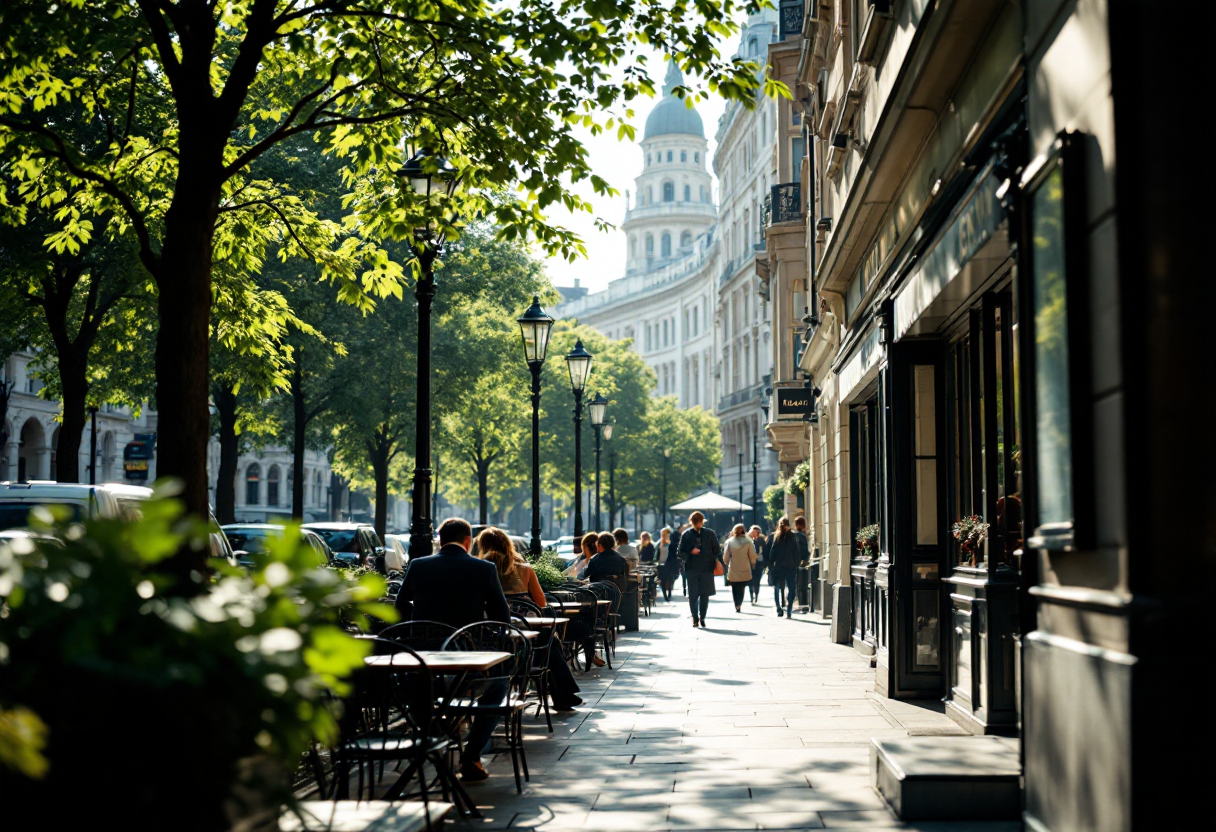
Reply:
x=619, y=162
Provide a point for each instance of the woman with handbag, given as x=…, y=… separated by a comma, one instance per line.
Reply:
x=783, y=559
x=740, y=559
x=702, y=558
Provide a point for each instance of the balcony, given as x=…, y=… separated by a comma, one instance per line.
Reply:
x=784, y=203
x=739, y=397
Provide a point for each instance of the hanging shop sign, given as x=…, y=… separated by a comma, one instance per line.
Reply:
x=975, y=222
x=794, y=402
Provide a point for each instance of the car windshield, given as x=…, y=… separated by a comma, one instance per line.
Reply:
x=340, y=540
x=250, y=540
x=17, y=515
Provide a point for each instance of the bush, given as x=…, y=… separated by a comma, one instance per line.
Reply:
x=774, y=502
x=549, y=568
x=160, y=694
x=800, y=480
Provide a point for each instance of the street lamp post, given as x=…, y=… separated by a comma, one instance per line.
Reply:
x=607, y=431
x=578, y=362
x=534, y=325
x=599, y=408
x=740, y=486
x=666, y=457
x=755, y=482
x=432, y=179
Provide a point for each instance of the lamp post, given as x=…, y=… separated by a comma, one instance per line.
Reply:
x=599, y=408
x=434, y=180
x=578, y=362
x=666, y=456
x=740, y=486
x=755, y=485
x=607, y=431
x=534, y=326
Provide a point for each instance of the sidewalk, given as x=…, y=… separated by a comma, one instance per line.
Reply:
x=753, y=723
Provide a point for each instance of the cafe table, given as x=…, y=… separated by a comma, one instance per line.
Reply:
x=457, y=664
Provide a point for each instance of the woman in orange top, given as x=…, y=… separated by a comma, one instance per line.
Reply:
x=518, y=579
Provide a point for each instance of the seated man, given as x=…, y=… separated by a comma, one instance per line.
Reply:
x=455, y=588
x=607, y=564
x=626, y=550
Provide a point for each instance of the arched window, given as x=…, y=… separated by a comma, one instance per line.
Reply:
x=669, y=192
x=272, y=486
x=688, y=193
x=649, y=245
x=686, y=239
x=683, y=155
x=253, y=485
x=696, y=157
x=664, y=332
x=666, y=245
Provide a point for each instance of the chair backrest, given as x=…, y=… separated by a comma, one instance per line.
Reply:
x=598, y=614
x=521, y=607
x=419, y=635
x=608, y=592
x=379, y=696
x=495, y=636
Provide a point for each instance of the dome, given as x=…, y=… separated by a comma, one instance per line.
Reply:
x=672, y=114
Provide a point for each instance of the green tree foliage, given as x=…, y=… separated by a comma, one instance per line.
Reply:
x=691, y=437
x=184, y=97
x=617, y=372
x=774, y=503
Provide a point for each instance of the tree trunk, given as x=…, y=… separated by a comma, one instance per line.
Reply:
x=483, y=483
x=183, y=280
x=378, y=455
x=225, y=486
x=299, y=428
x=73, y=379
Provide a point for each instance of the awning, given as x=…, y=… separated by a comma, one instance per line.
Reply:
x=711, y=501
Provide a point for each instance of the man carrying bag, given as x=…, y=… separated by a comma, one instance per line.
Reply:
x=702, y=555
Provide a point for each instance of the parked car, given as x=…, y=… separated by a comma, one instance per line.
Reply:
x=251, y=539
x=396, y=552
x=17, y=499
x=354, y=544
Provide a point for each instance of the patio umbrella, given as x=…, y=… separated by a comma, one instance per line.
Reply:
x=711, y=501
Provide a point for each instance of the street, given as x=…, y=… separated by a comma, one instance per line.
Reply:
x=752, y=723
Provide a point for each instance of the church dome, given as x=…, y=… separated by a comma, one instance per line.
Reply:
x=672, y=115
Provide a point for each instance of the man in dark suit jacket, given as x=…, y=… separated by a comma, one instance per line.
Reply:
x=452, y=586
x=608, y=564
x=458, y=589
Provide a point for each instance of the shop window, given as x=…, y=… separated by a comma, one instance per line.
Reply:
x=866, y=466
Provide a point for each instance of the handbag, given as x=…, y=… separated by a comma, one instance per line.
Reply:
x=718, y=570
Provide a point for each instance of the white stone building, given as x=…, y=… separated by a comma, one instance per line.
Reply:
x=263, y=487
x=688, y=297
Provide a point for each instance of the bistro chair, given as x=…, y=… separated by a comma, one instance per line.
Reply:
x=606, y=591
x=502, y=690
x=419, y=635
x=389, y=718
x=548, y=640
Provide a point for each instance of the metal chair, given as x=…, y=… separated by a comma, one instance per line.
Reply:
x=419, y=635
x=480, y=697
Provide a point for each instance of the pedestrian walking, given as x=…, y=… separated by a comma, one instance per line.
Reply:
x=760, y=542
x=700, y=552
x=645, y=548
x=669, y=563
x=783, y=558
x=740, y=559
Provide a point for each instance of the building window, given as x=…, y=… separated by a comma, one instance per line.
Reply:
x=649, y=245
x=686, y=237
x=669, y=192
x=272, y=486
x=666, y=245
x=664, y=332
x=647, y=158
x=633, y=246
x=253, y=486
x=316, y=489
x=696, y=157
x=669, y=155
x=683, y=155
x=753, y=47
x=649, y=195
x=688, y=193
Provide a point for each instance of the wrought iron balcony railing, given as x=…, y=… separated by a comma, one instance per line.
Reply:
x=785, y=203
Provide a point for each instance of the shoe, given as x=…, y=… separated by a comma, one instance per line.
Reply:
x=597, y=661
x=570, y=705
x=473, y=772
x=702, y=623
x=738, y=609
x=696, y=623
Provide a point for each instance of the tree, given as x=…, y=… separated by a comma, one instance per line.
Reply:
x=617, y=372
x=498, y=89
x=692, y=438
x=65, y=297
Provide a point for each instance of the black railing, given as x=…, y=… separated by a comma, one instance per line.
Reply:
x=791, y=18
x=740, y=396
x=786, y=203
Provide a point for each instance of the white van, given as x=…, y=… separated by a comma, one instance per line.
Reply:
x=17, y=499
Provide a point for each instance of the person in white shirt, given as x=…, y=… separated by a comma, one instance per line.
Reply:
x=625, y=549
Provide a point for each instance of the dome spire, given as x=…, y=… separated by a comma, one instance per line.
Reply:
x=674, y=77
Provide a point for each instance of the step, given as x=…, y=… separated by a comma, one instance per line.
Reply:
x=948, y=778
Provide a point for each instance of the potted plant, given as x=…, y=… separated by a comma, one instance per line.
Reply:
x=867, y=541
x=970, y=532
x=164, y=701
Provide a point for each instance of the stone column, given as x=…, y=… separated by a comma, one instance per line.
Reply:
x=8, y=466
